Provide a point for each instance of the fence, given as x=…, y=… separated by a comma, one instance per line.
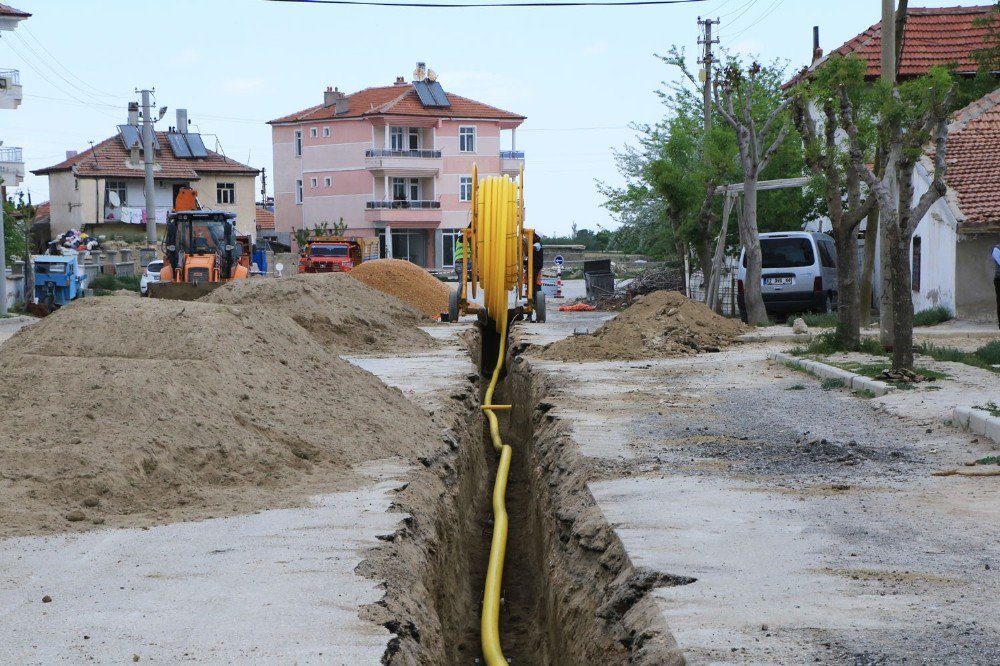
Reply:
x=727, y=291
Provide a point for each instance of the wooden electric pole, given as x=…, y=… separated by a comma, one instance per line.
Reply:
x=706, y=60
x=888, y=63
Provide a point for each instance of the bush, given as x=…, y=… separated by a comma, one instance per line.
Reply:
x=932, y=317
x=113, y=283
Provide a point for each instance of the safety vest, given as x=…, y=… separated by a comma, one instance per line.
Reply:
x=459, y=251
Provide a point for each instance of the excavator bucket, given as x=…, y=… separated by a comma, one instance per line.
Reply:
x=182, y=291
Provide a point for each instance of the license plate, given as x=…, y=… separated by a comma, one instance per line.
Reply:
x=781, y=280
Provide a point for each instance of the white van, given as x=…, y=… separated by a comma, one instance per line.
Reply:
x=798, y=273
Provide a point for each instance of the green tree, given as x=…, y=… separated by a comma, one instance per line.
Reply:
x=17, y=218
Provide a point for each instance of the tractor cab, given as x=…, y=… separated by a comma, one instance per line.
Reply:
x=201, y=251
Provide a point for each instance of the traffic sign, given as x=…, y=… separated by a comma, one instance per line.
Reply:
x=559, y=260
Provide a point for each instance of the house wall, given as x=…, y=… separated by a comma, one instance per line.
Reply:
x=938, y=237
x=975, y=296
x=62, y=193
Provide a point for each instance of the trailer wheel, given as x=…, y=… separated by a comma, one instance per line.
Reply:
x=453, y=306
x=540, y=307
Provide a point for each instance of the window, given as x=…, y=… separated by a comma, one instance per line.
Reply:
x=225, y=193
x=298, y=191
x=827, y=254
x=76, y=183
x=465, y=188
x=414, y=138
x=414, y=189
x=313, y=132
x=404, y=189
x=785, y=253
x=398, y=189
x=326, y=131
x=449, y=238
x=396, y=138
x=467, y=139
x=327, y=181
x=118, y=187
x=915, y=265
x=298, y=143
x=313, y=182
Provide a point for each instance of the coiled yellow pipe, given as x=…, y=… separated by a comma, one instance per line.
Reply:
x=497, y=223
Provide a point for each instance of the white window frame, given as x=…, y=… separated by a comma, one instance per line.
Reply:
x=465, y=188
x=326, y=131
x=397, y=139
x=298, y=192
x=313, y=132
x=400, y=182
x=225, y=193
x=328, y=182
x=413, y=139
x=313, y=182
x=467, y=136
x=297, y=143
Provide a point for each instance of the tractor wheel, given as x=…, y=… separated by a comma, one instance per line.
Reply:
x=540, y=307
x=453, y=306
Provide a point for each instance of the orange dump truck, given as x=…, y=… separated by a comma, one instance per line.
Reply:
x=332, y=254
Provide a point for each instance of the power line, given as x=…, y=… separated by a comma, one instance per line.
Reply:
x=767, y=12
x=467, y=5
x=88, y=87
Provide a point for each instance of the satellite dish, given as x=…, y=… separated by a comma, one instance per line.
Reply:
x=114, y=199
x=432, y=75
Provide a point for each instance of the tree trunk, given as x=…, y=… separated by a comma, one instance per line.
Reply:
x=886, y=284
x=868, y=270
x=704, y=251
x=902, y=301
x=848, y=313
x=756, y=314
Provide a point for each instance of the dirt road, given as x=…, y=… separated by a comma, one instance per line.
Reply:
x=810, y=522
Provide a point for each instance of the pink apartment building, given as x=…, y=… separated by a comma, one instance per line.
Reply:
x=393, y=162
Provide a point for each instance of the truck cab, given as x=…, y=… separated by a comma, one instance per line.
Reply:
x=329, y=254
x=58, y=279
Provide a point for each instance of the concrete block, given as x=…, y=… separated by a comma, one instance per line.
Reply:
x=960, y=417
x=993, y=429
x=859, y=383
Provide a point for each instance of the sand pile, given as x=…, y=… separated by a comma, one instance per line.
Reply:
x=339, y=312
x=663, y=323
x=407, y=282
x=130, y=411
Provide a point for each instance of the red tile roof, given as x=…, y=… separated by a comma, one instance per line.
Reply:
x=42, y=212
x=109, y=158
x=974, y=161
x=400, y=100
x=933, y=36
x=265, y=218
x=7, y=10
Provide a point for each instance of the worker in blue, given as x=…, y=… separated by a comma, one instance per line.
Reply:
x=996, y=278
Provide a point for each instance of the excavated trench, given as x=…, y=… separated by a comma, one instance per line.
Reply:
x=570, y=593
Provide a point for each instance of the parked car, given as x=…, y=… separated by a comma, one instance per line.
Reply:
x=798, y=273
x=151, y=274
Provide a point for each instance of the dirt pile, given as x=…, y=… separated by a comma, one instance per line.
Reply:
x=339, y=312
x=663, y=323
x=407, y=282
x=132, y=412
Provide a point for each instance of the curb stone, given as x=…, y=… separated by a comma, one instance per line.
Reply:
x=851, y=380
x=977, y=421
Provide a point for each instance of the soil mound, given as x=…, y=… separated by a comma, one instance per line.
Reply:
x=407, y=282
x=662, y=323
x=339, y=312
x=133, y=412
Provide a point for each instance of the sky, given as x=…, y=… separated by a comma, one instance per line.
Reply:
x=581, y=75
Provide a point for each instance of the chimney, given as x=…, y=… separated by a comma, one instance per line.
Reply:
x=182, y=121
x=817, y=51
x=135, y=156
x=133, y=113
x=420, y=73
x=333, y=97
x=71, y=154
x=400, y=81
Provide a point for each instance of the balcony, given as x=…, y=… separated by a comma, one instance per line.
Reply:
x=403, y=162
x=511, y=161
x=11, y=166
x=413, y=212
x=10, y=89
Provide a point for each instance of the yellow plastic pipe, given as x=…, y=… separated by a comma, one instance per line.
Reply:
x=496, y=229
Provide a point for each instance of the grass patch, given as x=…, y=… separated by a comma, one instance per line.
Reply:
x=867, y=394
x=832, y=383
x=986, y=357
x=989, y=460
x=872, y=370
x=796, y=387
x=114, y=283
x=932, y=316
x=830, y=343
x=991, y=407
x=816, y=319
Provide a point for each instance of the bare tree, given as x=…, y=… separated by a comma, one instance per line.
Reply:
x=733, y=99
x=826, y=159
x=898, y=213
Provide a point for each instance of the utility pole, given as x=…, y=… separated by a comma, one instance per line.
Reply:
x=263, y=186
x=706, y=59
x=888, y=63
x=148, y=160
x=3, y=255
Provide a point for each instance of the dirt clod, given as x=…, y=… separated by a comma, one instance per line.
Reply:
x=663, y=323
x=46, y=599
x=407, y=282
x=76, y=516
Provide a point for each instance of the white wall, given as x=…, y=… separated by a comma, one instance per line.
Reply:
x=938, y=238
